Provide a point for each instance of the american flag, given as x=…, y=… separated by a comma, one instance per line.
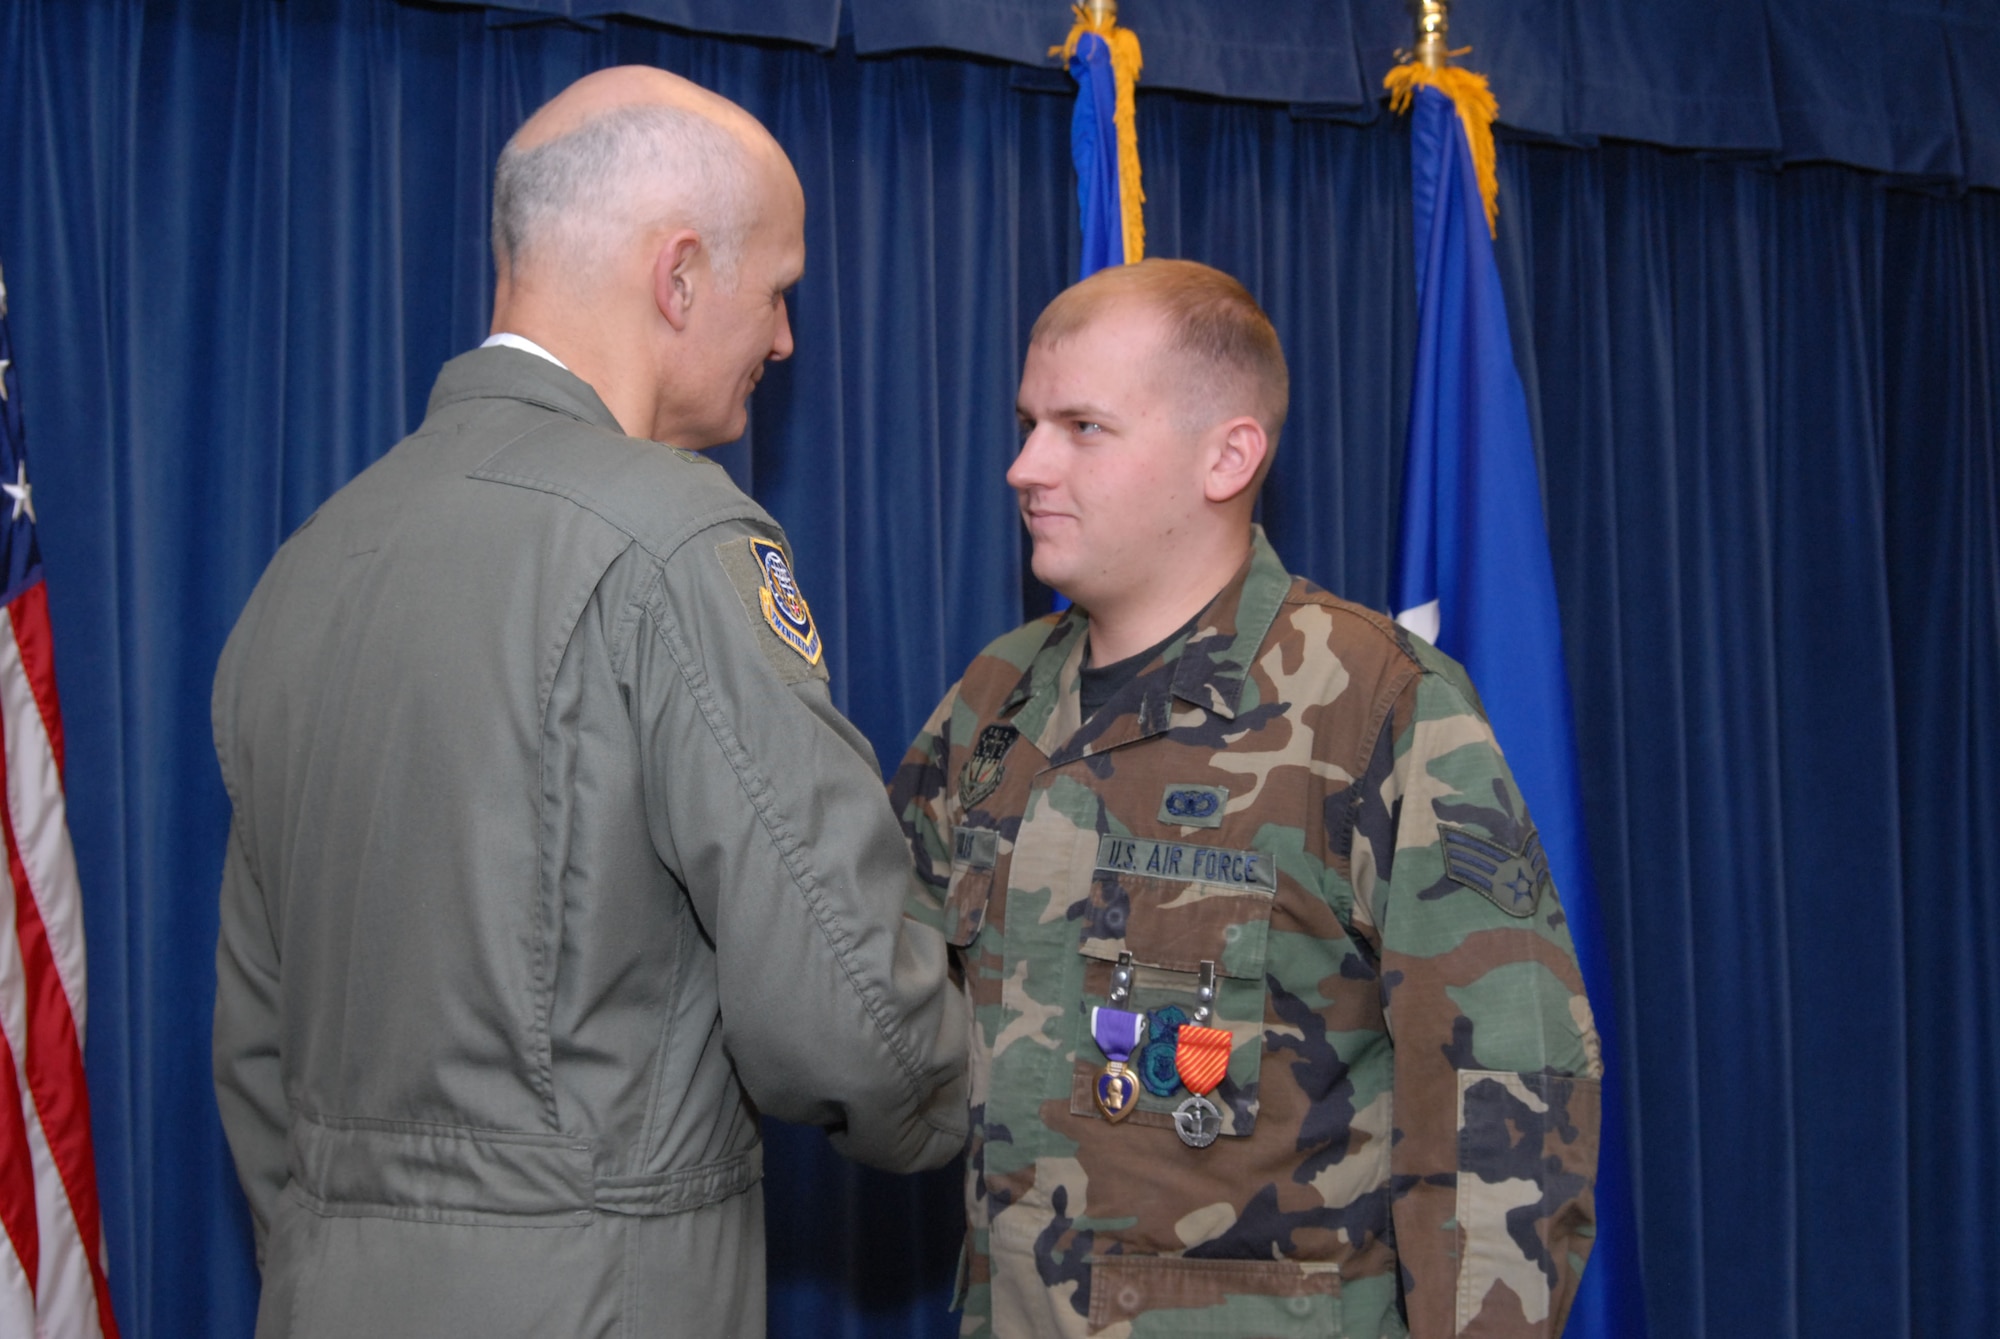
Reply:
x=52, y=1280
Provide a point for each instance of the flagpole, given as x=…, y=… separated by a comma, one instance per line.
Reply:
x=1433, y=19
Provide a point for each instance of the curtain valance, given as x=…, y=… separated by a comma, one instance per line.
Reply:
x=1887, y=85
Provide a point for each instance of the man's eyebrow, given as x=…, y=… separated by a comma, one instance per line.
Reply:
x=1091, y=412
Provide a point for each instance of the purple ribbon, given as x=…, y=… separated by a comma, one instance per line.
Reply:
x=1117, y=1031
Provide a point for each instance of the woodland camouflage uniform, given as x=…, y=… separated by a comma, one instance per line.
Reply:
x=1410, y=1115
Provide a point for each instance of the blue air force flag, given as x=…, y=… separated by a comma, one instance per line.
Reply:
x=1475, y=579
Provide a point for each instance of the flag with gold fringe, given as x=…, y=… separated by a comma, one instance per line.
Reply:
x=1104, y=137
x=1474, y=577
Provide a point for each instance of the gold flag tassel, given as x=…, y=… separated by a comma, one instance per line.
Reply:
x=1102, y=19
x=1468, y=92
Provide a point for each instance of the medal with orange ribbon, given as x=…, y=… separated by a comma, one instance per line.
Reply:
x=1201, y=1055
x=1201, y=1058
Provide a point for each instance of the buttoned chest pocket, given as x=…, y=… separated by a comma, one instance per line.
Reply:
x=1174, y=907
x=974, y=854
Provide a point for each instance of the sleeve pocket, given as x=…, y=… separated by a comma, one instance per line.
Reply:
x=1527, y=1159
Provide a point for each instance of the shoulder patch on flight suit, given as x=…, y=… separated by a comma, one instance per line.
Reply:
x=1511, y=880
x=762, y=576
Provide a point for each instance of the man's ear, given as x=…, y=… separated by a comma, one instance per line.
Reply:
x=679, y=266
x=1235, y=459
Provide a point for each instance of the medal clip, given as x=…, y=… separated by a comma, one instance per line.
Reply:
x=1121, y=982
x=1204, y=995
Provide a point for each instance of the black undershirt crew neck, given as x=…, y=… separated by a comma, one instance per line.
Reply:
x=1101, y=684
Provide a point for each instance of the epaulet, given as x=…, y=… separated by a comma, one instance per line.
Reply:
x=1394, y=637
x=1436, y=662
x=658, y=495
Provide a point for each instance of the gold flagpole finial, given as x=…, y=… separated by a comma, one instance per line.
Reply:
x=1102, y=12
x=1433, y=20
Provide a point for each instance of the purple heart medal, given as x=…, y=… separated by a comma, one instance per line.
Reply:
x=1118, y=1031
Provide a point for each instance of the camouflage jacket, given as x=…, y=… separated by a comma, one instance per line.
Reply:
x=1307, y=797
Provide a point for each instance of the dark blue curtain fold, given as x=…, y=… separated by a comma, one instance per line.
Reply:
x=241, y=235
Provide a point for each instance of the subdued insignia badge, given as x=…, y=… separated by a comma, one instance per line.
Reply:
x=1194, y=806
x=784, y=608
x=983, y=771
x=1511, y=880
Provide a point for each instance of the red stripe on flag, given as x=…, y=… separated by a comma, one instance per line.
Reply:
x=17, y=1172
x=55, y=1058
x=34, y=635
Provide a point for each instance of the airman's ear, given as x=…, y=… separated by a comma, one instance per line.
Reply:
x=679, y=267
x=1238, y=454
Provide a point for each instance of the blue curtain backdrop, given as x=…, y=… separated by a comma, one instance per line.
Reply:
x=240, y=236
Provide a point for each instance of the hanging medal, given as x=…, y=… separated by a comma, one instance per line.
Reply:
x=1201, y=1057
x=1118, y=1032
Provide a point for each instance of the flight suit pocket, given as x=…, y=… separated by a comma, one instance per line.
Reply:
x=1173, y=907
x=974, y=854
x=1256, y=1299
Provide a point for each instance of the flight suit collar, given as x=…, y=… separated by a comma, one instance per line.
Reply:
x=502, y=373
x=1208, y=668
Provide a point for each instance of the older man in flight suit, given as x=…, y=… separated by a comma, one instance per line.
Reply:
x=1278, y=1029
x=552, y=862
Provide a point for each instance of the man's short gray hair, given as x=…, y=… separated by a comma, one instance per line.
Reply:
x=571, y=200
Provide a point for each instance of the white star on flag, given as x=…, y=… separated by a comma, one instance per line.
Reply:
x=5, y=363
x=23, y=494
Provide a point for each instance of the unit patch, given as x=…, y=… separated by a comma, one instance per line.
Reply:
x=784, y=608
x=1511, y=880
x=985, y=769
x=1194, y=806
x=779, y=620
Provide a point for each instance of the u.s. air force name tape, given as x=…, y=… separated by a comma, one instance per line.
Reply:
x=1190, y=864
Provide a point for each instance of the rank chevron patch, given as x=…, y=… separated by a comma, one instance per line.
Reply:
x=1511, y=880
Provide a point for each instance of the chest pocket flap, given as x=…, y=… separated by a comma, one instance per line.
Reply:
x=1174, y=905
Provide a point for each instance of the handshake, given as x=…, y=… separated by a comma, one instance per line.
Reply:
x=1194, y=917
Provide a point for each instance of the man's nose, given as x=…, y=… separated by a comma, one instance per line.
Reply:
x=1031, y=464
x=781, y=339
